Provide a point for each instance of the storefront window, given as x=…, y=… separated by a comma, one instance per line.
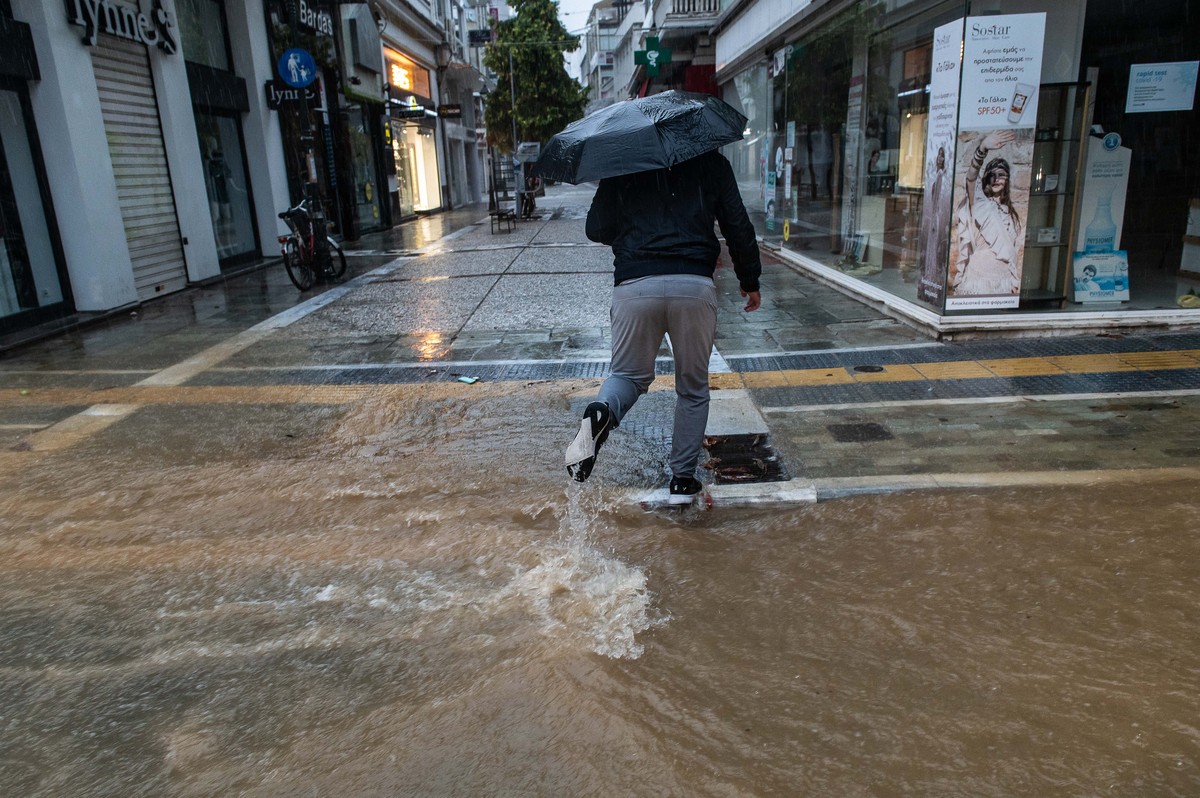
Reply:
x=363, y=165
x=748, y=94
x=1091, y=211
x=402, y=162
x=29, y=276
x=313, y=145
x=1145, y=70
x=847, y=157
x=418, y=150
x=414, y=153
x=810, y=89
x=204, y=20
x=225, y=181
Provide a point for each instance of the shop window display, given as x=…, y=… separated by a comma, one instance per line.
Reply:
x=845, y=172
x=851, y=114
x=359, y=134
x=225, y=181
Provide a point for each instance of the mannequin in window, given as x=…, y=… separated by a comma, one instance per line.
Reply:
x=218, y=186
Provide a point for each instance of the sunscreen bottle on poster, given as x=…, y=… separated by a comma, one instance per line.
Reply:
x=1101, y=233
x=1020, y=99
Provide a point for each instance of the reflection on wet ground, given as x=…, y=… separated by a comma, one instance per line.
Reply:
x=300, y=557
x=386, y=598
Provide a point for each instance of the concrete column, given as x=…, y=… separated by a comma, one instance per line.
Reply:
x=260, y=126
x=66, y=105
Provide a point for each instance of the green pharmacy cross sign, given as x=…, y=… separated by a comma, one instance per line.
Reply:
x=652, y=57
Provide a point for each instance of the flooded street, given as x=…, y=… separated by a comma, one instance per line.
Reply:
x=403, y=595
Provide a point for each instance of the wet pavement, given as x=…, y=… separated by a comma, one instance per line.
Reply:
x=839, y=397
x=264, y=543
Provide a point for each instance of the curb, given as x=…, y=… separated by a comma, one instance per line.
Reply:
x=800, y=492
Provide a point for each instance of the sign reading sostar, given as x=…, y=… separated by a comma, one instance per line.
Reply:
x=155, y=29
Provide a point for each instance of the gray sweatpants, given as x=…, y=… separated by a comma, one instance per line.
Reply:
x=683, y=306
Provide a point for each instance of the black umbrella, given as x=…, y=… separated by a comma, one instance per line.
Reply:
x=639, y=135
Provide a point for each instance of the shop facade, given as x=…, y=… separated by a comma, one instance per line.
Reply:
x=333, y=127
x=415, y=186
x=147, y=144
x=976, y=166
x=124, y=202
x=220, y=102
x=34, y=284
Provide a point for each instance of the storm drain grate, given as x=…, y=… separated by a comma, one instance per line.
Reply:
x=743, y=458
x=859, y=433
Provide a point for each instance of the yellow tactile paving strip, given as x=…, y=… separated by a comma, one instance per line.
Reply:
x=245, y=395
x=100, y=408
x=968, y=369
x=838, y=375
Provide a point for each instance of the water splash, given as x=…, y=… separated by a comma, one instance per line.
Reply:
x=583, y=592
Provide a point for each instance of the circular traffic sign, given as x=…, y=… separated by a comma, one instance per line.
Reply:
x=297, y=68
x=787, y=230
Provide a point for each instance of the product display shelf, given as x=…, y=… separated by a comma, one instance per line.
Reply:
x=1053, y=215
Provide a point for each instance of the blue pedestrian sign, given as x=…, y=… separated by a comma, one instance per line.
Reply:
x=297, y=68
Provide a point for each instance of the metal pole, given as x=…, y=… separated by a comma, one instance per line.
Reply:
x=518, y=183
x=512, y=100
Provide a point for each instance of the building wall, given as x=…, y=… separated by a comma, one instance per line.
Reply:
x=264, y=147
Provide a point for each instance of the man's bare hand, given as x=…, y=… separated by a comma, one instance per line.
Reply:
x=753, y=300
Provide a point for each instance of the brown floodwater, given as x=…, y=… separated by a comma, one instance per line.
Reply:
x=406, y=597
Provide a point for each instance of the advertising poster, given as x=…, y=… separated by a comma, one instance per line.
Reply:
x=1099, y=266
x=933, y=241
x=1001, y=73
x=1101, y=276
x=1102, y=206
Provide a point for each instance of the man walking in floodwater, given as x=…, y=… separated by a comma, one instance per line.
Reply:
x=660, y=226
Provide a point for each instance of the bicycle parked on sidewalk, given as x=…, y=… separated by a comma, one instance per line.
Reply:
x=309, y=254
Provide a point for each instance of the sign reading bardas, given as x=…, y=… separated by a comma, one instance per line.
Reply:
x=125, y=21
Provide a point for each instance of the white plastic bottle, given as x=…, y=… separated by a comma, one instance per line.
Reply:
x=1101, y=233
x=1016, y=109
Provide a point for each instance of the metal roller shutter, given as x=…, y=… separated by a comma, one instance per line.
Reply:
x=135, y=142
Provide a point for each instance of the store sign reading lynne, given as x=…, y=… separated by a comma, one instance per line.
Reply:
x=155, y=29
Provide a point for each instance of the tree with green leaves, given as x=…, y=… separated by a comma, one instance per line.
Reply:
x=547, y=99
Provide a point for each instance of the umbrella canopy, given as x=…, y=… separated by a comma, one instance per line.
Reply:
x=639, y=135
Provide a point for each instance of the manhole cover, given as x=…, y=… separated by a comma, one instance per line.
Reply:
x=859, y=433
x=869, y=369
x=743, y=458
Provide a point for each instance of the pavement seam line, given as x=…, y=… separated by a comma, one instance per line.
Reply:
x=75, y=428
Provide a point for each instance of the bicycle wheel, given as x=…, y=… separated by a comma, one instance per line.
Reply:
x=336, y=266
x=299, y=272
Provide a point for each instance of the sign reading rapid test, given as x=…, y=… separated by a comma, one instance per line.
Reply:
x=1161, y=87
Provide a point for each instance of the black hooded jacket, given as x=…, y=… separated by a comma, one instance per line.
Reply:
x=661, y=222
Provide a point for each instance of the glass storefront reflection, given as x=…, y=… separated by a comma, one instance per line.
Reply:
x=29, y=277
x=362, y=165
x=839, y=166
x=225, y=181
